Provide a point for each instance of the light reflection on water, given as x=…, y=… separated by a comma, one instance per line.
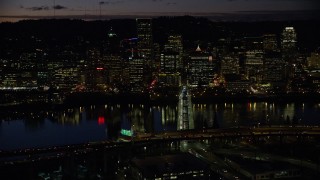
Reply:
x=93, y=123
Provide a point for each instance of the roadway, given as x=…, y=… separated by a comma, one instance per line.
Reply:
x=38, y=154
x=231, y=133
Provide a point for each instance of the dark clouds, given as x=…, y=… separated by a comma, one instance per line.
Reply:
x=110, y=2
x=165, y=7
x=43, y=8
x=38, y=8
x=58, y=7
x=171, y=3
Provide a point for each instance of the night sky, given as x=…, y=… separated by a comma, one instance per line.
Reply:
x=45, y=8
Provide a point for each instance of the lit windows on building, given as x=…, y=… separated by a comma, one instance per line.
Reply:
x=230, y=64
x=145, y=43
x=254, y=65
x=289, y=39
x=10, y=80
x=270, y=42
x=200, y=68
x=174, y=44
x=314, y=60
x=169, y=69
x=114, y=67
x=66, y=78
x=273, y=68
x=136, y=74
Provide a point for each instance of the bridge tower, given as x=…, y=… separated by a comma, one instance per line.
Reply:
x=185, y=113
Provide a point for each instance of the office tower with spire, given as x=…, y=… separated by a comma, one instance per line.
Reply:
x=200, y=68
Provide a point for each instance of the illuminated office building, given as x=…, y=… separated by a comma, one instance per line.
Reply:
x=66, y=78
x=145, y=43
x=289, y=50
x=129, y=47
x=235, y=83
x=169, y=69
x=10, y=79
x=289, y=40
x=253, y=58
x=314, y=60
x=200, y=68
x=230, y=64
x=34, y=69
x=174, y=44
x=96, y=72
x=114, y=68
x=254, y=65
x=273, y=67
x=270, y=43
x=136, y=74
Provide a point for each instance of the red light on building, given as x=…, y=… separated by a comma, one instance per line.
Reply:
x=101, y=120
x=99, y=68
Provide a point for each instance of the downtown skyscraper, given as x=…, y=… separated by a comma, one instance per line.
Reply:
x=145, y=43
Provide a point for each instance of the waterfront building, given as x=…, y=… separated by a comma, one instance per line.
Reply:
x=235, y=83
x=66, y=78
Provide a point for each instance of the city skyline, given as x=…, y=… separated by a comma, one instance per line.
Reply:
x=81, y=8
x=100, y=98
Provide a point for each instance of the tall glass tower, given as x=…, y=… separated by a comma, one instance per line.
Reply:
x=289, y=39
x=144, y=32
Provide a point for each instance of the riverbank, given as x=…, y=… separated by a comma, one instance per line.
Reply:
x=89, y=98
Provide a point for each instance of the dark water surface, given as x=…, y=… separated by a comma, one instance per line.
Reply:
x=107, y=122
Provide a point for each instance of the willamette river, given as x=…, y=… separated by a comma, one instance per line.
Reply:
x=107, y=122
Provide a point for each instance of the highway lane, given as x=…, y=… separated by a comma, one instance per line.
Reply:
x=58, y=151
x=217, y=165
x=269, y=157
